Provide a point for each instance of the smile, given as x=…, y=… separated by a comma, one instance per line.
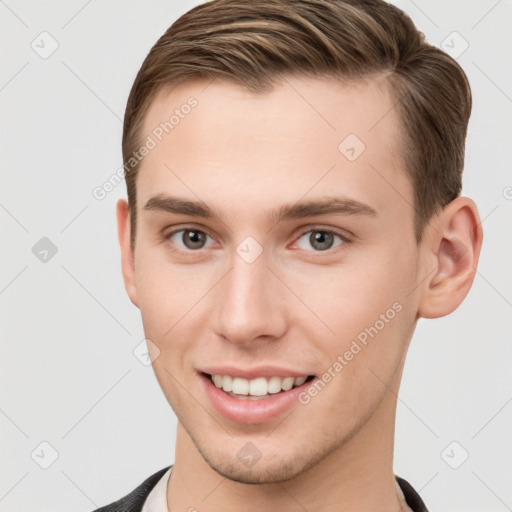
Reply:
x=253, y=398
x=259, y=387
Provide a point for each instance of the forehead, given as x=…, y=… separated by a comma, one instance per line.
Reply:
x=327, y=107
x=214, y=136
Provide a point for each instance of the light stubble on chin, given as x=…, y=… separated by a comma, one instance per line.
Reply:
x=278, y=470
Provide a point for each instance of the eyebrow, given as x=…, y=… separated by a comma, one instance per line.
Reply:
x=299, y=210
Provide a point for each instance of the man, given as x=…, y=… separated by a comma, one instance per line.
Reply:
x=294, y=175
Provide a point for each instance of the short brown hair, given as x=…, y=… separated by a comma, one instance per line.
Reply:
x=253, y=43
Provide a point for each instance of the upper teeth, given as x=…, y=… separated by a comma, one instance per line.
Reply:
x=256, y=387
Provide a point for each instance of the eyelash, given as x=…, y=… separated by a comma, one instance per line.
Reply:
x=344, y=239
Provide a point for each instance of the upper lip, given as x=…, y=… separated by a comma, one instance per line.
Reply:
x=252, y=373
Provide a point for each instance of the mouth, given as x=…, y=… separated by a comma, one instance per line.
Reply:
x=254, y=400
x=258, y=388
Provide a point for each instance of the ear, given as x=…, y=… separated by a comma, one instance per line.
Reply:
x=127, y=251
x=454, y=245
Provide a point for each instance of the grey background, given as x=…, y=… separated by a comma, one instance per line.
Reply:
x=69, y=376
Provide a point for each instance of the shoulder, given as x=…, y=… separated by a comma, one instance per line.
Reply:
x=133, y=501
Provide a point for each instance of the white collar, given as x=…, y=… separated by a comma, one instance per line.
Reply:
x=157, y=498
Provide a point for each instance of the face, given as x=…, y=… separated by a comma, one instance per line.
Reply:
x=274, y=243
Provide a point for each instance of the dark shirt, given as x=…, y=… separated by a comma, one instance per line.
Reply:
x=134, y=501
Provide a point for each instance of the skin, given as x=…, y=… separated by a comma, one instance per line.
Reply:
x=295, y=306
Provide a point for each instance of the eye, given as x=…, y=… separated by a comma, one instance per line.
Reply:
x=191, y=239
x=320, y=239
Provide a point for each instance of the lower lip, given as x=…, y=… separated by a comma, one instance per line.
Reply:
x=251, y=411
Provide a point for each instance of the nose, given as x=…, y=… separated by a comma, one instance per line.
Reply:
x=250, y=303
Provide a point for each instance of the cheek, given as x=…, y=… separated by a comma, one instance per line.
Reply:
x=175, y=307
x=348, y=297
x=365, y=303
x=165, y=293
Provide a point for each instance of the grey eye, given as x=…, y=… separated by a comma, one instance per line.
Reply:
x=189, y=238
x=320, y=240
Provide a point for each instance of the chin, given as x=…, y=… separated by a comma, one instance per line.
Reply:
x=264, y=474
x=282, y=467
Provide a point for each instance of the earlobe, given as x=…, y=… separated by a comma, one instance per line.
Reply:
x=456, y=241
x=127, y=251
